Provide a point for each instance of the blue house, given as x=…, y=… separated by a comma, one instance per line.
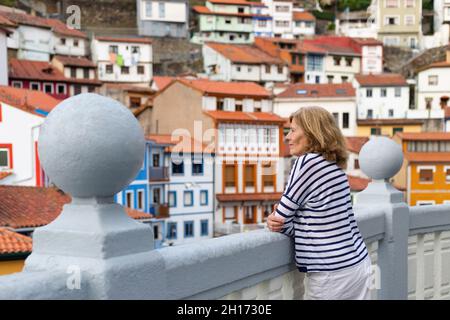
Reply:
x=139, y=195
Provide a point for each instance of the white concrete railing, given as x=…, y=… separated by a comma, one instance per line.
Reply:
x=93, y=250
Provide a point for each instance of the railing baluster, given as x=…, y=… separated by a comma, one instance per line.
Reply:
x=420, y=263
x=437, y=267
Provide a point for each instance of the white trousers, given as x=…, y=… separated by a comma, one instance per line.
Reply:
x=348, y=284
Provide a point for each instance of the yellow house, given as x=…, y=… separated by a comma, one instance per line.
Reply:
x=426, y=167
x=387, y=127
x=14, y=249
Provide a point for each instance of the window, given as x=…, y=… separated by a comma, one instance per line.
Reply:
x=317, y=79
x=348, y=62
x=129, y=199
x=336, y=117
x=280, y=69
x=109, y=68
x=35, y=86
x=426, y=175
x=188, y=198
x=314, y=63
x=410, y=3
x=282, y=8
x=77, y=89
x=172, y=199
x=383, y=93
x=392, y=21
x=157, y=195
x=267, y=68
x=262, y=23
x=220, y=103
x=140, y=195
x=135, y=49
x=60, y=88
x=197, y=164
x=369, y=113
x=171, y=226
x=228, y=21
x=75, y=43
x=178, y=168
x=203, y=197
x=86, y=73
x=230, y=171
x=162, y=9
x=267, y=175
x=391, y=113
x=330, y=79
x=344, y=79
x=398, y=92
x=241, y=10
x=113, y=49
x=433, y=80
x=447, y=175
x=238, y=69
x=395, y=130
x=73, y=72
x=369, y=93
x=204, y=227
x=6, y=156
x=156, y=234
x=230, y=213
x=249, y=69
x=410, y=20
x=155, y=158
x=267, y=210
x=356, y=164
x=188, y=229
x=91, y=89
x=345, y=120
x=148, y=9
x=48, y=88
x=337, y=61
x=428, y=102
x=125, y=70
x=63, y=41
x=135, y=102
x=249, y=175
x=391, y=3
x=375, y=131
x=17, y=84
x=141, y=70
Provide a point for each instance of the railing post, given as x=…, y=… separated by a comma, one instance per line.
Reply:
x=381, y=158
x=91, y=147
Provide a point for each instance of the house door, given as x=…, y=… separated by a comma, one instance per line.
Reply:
x=250, y=215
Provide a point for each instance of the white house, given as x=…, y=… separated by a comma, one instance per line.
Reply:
x=4, y=32
x=371, y=51
x=227, y=62
x=21, y=114
x=262, y=20
x=338, y=99
x=381, y=96
x=190, y=191
x=281, y=11
x=303, y=24
x=432, y=91
x=126, y=60
x=441, y=13
x=36, y=38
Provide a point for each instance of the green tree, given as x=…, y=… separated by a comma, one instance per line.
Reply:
x=353, y=5
x=9, y=3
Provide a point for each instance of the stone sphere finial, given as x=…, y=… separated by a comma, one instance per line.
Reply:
x=91, y=146
x=381, y=158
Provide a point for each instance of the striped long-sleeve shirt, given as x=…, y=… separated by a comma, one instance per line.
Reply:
x=316, y=205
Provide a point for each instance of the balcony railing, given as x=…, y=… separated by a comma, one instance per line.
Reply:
x=158, y=174
x=94, y=251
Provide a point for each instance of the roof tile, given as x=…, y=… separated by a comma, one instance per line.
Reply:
x=12, y=242
x=385, y=80
x=302, y=90
x=241, y=53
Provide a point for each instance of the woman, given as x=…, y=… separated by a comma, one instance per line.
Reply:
x=315, y=209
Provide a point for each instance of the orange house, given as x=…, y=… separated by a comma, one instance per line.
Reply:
x=426, y=167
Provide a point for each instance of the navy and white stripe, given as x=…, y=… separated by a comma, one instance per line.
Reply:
x=317, y=208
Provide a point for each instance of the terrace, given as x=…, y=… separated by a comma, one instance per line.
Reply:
x=94, y=251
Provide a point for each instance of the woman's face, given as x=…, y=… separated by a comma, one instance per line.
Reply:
x=296, y=139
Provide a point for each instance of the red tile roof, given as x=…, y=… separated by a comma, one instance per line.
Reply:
x=241, y=53
x=27, y=100
x=34, y=70
x=440, y=64
x=162, y=82
x=30, y=207
x=232, y=197
x=5, y=22
x=249, y=89
x=302, y=90
x=128, y=40
x=55, y=25
x=75, y=61
x=428, y=156
x=381, y=122
x=180, y=143
x=303, y=16
x=368, y=41
x=354, y=144
x=357, y=183
x=385, y=80
x=232, y=2
x=240, y=116
x=12, y=242
x=424, y=136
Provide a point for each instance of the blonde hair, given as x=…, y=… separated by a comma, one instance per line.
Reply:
x=322, y=133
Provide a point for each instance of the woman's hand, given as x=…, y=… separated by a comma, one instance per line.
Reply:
x=275, y=223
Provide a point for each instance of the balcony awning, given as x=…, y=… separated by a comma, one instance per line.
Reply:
x=269, y=196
